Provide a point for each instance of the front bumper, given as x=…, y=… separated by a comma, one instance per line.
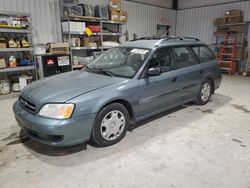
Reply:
x=54, y=132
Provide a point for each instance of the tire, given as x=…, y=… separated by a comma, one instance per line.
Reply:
x=111, y=125
x=205, y=92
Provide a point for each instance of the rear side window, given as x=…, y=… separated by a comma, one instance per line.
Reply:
x=203, y=53
x=184, y=57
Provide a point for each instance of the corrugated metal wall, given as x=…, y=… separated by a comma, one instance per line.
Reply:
x=198, y=22
x=46, y=19
x=43, y=19
x=184, y=4
x=142, y=18
x=159, y=3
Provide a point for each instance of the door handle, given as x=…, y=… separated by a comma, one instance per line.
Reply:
x=174, y=79
x=201, y=71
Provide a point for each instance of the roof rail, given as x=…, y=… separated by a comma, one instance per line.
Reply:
x=146, y=38
x=165, y=38
x=170, y=37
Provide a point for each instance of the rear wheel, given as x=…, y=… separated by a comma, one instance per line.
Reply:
x=111, y=125
x=204, y=92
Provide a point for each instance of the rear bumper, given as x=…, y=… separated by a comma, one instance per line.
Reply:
x=217, y=82
x=54, y=132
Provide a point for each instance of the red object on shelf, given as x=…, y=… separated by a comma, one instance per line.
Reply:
x=95, y=28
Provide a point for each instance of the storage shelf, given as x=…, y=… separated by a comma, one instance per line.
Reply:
x=220, y=34
x=82, y=33
x=90, y=19
x=233, y=24
x=7, y=30
x=77, y=66
x=227, y=45
x=113, y=22
x=81, y=18
x=16, y=49
x=89, y=48
x=24, y=68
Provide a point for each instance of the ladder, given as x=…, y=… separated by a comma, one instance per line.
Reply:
x=227, y=54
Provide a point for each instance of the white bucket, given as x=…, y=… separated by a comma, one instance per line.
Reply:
x=22, y=82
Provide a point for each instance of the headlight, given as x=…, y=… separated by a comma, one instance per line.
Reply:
x=58, y=111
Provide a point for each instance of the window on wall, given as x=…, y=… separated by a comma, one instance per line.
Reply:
x=163, y=59
x=203, y=53
x=184, y=57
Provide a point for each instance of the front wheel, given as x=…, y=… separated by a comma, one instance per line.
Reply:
x=111, y=125
x=204, y=93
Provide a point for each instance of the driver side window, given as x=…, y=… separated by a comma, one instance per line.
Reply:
x=162, y=59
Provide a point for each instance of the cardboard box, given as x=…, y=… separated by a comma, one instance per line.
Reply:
x=237, y=28
x=233, y=13
x=220, y=21
x=80, y=26
x=2, y=63
x=114, y=15
x=238, y=19
x=3, y=43
x=91, y=41
x=70, y=26
x=115, y=5
x=237, y=54
x=221, y=31
x=123, y=16
x=59, y=48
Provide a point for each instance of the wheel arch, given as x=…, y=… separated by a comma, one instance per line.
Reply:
x=125, y=103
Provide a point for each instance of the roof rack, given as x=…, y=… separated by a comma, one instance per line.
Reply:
x=165, y=38
x=147, y=38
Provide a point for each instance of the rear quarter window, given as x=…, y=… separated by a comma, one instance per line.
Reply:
x=203, y=53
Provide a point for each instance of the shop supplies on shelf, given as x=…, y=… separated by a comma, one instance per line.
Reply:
x=12, y=61
x=4, y=87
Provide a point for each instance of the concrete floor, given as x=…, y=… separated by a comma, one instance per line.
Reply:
x=191, y=146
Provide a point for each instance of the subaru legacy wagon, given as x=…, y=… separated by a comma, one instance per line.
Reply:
x=122, y=86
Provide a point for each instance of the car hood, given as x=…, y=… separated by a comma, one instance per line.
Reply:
x=64, y=87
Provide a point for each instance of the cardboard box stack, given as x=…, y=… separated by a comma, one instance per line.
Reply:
x=115, y=12
x=231, y=17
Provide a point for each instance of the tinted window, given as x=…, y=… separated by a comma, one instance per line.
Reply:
x=203, y=53
x=184, y=57
x=163, y=58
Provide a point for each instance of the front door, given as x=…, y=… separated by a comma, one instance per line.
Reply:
x=161, y=91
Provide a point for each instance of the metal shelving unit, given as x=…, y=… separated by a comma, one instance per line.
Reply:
x=16, y=49
x=24, y=68
x=8, y=30
x=13, y=31
x=68, y=35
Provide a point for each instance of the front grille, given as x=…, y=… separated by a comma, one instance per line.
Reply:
x=27, y=105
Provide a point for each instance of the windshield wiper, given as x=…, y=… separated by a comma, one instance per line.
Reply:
x=103, y=71
x=89, y=69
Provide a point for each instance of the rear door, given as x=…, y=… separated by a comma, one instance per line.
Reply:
x=189, y=72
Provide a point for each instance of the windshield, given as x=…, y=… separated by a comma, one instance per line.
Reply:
x=120, y=62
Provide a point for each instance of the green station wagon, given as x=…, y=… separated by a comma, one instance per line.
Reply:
x=124, y=85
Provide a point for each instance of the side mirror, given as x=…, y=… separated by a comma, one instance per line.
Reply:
x=154, y=71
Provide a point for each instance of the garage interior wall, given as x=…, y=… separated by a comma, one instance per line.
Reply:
x=42, y=17
x=198, y=22
x=46, y=19
x=142, y=18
